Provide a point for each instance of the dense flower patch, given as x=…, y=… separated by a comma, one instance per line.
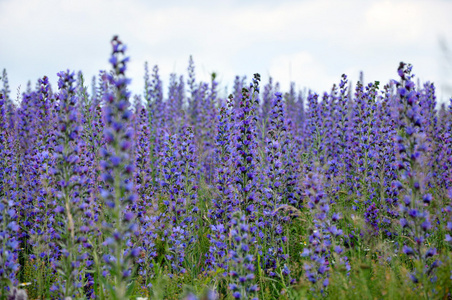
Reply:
x=263, y=194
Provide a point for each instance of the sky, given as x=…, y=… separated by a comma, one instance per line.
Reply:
x=308, y=42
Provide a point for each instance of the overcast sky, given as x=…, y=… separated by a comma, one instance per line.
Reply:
x=309, y=42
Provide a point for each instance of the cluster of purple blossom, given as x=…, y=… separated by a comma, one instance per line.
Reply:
x=325, y=237
x=103, y=190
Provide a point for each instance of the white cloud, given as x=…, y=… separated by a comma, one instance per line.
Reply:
x=303, y=68
x=320, y=39
x=397, y=21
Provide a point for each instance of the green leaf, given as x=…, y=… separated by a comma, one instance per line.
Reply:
x=130, y=288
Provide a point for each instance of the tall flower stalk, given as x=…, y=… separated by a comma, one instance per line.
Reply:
x=9, y=228
x=70, y=206
x=223, y=204
x=246, y=148
x=275, y=199
x=325, y=237
x=117, y=175
x=179, y=186
x=412, y=162
x=241, y=259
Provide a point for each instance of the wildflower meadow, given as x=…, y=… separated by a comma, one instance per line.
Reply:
x=263, y=194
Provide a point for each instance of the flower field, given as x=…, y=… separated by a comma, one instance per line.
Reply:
x=265, y=194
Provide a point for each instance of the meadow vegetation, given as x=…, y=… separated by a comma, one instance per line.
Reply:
x=264, y=194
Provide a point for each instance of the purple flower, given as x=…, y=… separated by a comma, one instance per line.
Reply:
x=431, y=252
x=427, y=198
x=241, y=261
x=68, y=175
x=323, y=235
x=116, y=193
x=408, y=250
x=412, y=148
